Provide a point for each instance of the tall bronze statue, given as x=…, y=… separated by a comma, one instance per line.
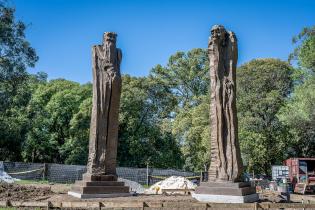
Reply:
x=100, y=180
x=224, y=184
x=226, y=162
x=106, y=97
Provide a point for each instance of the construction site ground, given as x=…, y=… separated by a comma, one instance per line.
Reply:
x=58, y=192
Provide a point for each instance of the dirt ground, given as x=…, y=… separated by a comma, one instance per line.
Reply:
x=58, y=192
x=17, y=192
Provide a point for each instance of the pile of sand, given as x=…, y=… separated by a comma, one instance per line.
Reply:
x=173, y=182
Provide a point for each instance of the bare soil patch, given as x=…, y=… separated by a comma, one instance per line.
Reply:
x=16, y=192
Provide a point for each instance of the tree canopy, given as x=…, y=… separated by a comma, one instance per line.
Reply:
x=262, y=88
x=298, y=113
x=304, y=52
x=16, y=84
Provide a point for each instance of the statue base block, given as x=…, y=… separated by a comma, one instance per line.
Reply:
x=226, y=192
x=99, y=186
x=87, y=196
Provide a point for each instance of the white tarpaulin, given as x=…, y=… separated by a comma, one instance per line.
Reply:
x=4, y=177
x=171, y=183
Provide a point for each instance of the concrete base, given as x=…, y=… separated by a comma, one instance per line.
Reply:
x=87, y=196
x=99, y=186
x=207, y=198
x=226, y=192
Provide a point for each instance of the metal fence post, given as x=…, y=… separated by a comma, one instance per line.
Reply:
x=148, y=174
x=45, y=171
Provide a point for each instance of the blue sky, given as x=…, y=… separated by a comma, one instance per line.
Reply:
x=63, y=31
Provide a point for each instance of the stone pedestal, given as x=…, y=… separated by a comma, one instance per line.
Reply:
x=225, y=192
x=99, y=186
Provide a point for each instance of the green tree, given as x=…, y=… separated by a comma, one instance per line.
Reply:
x=51, y=110
x=186, y=75
x=299, y=116
x=16, y=84
x=60, y=113
x=192, y=126
x=75, y=148
x=262, y=88
x=141, y=134
x=304, y=53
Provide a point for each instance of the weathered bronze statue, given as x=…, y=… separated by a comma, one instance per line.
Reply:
x=226, y=162
x=225, y=184
x=100, y=180
x=106, y=98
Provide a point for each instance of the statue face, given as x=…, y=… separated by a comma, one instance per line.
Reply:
x=218, y=32
x=109, y=37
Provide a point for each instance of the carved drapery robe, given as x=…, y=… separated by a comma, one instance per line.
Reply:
x=106, y=61
x=226, y=163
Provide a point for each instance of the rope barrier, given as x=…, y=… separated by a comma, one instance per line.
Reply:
x=25, y=172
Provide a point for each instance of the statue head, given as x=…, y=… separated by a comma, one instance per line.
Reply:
x=218, y=33
x=109, y=37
